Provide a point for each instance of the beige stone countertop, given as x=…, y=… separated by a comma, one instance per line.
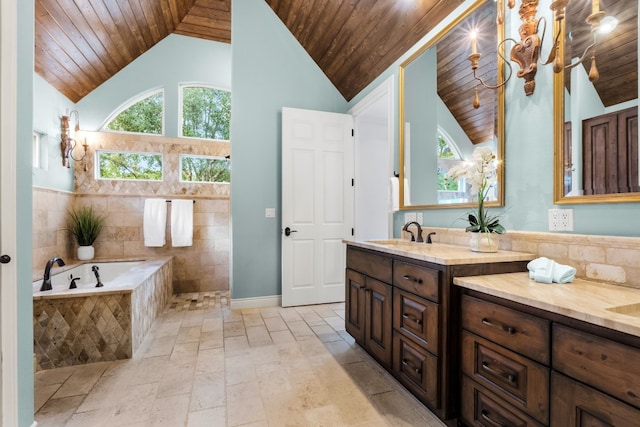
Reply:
x=439, y=253
x=590, y=301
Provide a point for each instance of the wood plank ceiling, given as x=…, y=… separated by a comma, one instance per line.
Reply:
x=616, y=53
x=81, y=44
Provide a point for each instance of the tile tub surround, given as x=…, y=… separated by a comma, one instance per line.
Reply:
x=201, y=267
x=609, y=259
x=99, y=326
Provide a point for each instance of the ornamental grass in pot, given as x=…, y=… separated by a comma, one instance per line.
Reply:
x=85, y=224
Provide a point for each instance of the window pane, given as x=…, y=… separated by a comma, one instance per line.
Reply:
x=124, y=165
x=204, y=169
x=206, y=113
x=145, y=116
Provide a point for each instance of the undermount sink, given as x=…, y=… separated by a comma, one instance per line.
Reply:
x=628, y=309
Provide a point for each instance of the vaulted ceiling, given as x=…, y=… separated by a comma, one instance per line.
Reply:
x=80, y=45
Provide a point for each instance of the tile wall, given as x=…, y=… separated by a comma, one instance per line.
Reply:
x=200, y=268
x=602, y=258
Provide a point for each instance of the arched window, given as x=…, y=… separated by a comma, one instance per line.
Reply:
x=448, y=156
x=142, y=114
x=205, y=112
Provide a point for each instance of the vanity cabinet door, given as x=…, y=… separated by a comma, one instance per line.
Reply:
x=600, y=362
x=521, y=332
x=515, y=379
x=378, y=321
x=416, y=369
x=354, y=305
x=416, y=317
x=481, y=408
x=574, y=404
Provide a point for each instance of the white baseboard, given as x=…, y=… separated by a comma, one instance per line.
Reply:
x=256, y=302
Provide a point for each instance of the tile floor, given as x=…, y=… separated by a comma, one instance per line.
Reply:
x=203, y=364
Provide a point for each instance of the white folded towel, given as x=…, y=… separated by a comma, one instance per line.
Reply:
x=181, y=222
x=154, y=222
x=544, y=270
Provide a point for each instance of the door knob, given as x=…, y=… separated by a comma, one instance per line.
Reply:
x=288, y=231
x=5, y=259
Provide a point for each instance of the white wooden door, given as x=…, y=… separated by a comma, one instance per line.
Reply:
x=317, y=204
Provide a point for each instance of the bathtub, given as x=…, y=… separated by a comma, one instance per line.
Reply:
x=89, y=324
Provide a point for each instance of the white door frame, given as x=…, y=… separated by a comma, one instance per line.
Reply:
x=8, y=216
x=385, y=89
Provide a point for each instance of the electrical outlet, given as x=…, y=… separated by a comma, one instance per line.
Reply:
x=560, y=219
x=566, y=219
x=410, y=216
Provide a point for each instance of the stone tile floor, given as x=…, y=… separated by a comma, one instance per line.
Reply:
x=203, y=364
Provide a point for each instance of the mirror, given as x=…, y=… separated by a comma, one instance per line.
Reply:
x=439, y=126
x=596, y=124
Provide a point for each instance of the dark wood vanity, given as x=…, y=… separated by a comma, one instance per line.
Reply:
x=525, y=366
x=404, y=312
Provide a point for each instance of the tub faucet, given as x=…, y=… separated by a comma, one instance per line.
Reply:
x=413, y=238
x=46, y=278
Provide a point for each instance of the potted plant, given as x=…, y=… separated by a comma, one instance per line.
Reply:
x=480, y=175
x=85, y=225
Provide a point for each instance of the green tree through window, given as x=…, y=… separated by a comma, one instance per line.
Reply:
x=145, y=116
x=123, y=165
x=206, y=112
x=204, y=169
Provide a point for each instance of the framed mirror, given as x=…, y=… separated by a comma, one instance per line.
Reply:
x=438, y=124
x=596, y=123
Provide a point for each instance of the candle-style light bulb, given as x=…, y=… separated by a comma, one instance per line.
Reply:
x=595, y=6
x=474, y=42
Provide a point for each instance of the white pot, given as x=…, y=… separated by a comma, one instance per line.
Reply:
x=483, y=242
x=85, y=253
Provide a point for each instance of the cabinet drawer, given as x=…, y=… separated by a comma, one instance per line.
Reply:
x=575, y=404
x=416, y=369
x=605, y=364
x=416, y=317
x=376, y=266
x=481, y=408
x=419, y=280
x=515, y=379
x=524, y=333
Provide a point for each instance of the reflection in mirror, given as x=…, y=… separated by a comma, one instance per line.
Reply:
x=596, y=123
x=441, y=126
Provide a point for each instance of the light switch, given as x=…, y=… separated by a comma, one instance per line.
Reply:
x=270, y=213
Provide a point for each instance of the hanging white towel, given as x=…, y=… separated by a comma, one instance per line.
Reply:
x=394, y=193
x=154, y=222
x=181, y=222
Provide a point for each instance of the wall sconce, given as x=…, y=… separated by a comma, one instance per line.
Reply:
x=526, y=52
x=67, y=144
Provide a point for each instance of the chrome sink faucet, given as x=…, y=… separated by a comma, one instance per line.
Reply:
x=413, y=238
x=46, y=278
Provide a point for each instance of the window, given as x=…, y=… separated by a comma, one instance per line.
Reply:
x=204, y=169
x=128, y=165
x=142, y=115
x=206, y=112
x=449, y=191
x=36, y=148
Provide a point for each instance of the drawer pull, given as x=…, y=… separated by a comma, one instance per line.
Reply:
x=511, y=378
x=413, y=368
x=508, y=329
x=413, y=319
x=485, y=416
x=412, y=278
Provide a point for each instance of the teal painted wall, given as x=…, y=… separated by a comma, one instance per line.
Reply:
x=48, y=106
x=25, y=23
x=270, y=71
x=173, y=61
x=528, y=158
